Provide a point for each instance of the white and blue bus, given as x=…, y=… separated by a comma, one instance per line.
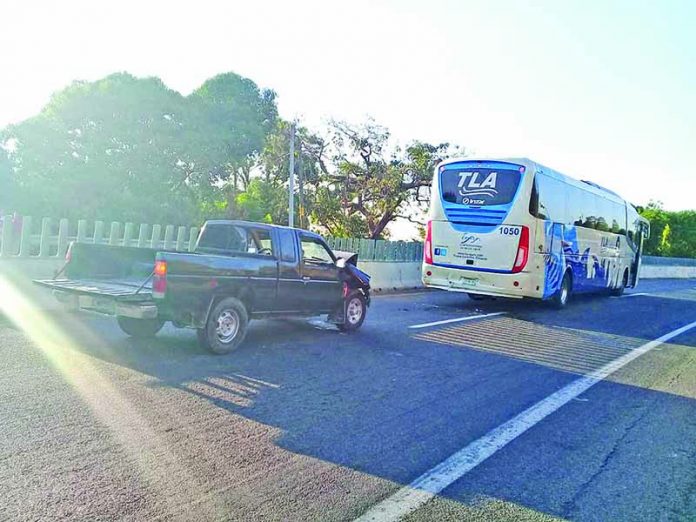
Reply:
x=514, y=228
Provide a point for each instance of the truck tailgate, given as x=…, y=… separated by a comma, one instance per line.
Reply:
x=117, y=289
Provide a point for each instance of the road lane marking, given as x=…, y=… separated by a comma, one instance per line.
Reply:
x=631, y=295
x=456, y=320
x=428, y=485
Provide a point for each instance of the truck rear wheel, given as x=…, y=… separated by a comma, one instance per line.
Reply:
x=139, y=328
x=226, y=327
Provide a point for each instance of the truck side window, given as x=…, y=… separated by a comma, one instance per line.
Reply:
x=287, y=245
x=259, y=242
x=314, y=251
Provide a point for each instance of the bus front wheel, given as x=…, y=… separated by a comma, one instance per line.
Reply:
x=560, y=300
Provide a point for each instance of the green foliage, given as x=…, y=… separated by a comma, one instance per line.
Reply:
x=126, y=148
x=131, y=149
x=364, y=183
x=672, y=234
x=264, y=202
x=7, y=183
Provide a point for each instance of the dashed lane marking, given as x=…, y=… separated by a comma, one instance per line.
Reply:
x=455, y=320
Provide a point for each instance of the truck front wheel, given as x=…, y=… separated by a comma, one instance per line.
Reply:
x=139, y=328
x=354, y=312
x=226, y=327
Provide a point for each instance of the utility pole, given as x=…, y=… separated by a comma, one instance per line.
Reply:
x=300, y=188
x=291, y=183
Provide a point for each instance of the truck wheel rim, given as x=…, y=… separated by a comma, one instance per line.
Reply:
x=564, y=293
x=355, y=311
x=227, y=326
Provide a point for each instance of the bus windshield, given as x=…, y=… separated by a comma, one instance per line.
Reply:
x=479, y=186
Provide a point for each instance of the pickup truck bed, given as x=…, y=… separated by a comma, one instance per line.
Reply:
x=127, y=289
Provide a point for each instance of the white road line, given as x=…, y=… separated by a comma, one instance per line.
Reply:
x=457, y=320
x=411, y=497
x=637, y=293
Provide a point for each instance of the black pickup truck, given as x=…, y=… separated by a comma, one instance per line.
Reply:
x=238, y=271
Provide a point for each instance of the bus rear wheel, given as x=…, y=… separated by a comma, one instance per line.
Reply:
x=619, y=290
x=560, y=300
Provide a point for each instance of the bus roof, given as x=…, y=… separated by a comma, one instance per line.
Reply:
x=589, y=186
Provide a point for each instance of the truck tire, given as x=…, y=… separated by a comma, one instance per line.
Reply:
x=226, y=327
x=354, y=312
x=560, y=299
x=139, y=328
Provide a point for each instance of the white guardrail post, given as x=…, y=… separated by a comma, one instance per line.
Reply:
x=17, y=239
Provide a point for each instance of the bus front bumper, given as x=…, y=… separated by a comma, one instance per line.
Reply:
x=519, y=285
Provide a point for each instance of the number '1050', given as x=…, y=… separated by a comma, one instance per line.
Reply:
x=510, y=231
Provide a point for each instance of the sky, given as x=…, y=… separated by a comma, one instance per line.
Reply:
x=599, y=90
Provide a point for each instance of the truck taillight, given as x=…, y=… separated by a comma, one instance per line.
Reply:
x=428, y=246
x=159, y=279
x=522, y=251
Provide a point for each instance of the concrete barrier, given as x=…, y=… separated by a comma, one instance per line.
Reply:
x=398, y=276
x=386, y=276
x=667, y=272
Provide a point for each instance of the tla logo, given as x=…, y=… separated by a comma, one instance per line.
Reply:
x=468, y=239
x=474, y=184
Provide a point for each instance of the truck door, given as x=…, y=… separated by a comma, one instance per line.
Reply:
x=320, y=275
x=290, y=284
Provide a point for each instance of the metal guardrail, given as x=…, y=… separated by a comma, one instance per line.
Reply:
x=48, y=239
x=379, y=249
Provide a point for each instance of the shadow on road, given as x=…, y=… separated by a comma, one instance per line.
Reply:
x=390, y=405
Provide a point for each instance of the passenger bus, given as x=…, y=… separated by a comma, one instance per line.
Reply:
x=514, y=228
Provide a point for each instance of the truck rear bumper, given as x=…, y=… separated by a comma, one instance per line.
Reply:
x=102, y=305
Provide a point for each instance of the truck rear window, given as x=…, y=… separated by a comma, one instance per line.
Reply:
x=231, y=239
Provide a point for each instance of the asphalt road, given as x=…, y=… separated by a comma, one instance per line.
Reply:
x=306, y=423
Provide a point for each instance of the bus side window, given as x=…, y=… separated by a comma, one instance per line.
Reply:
x=535, y=207
x=552, y=198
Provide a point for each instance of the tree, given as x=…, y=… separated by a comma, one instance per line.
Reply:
x=244, y=116
x=7, y=183
x=127, y=148
x=365, y=183
x=672, y=234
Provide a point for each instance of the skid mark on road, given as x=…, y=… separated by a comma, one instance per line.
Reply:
x=566, y=349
